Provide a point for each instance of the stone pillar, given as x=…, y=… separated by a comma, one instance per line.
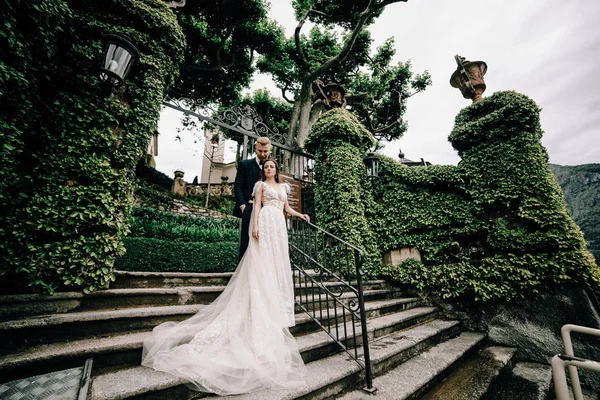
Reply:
x=342, y=190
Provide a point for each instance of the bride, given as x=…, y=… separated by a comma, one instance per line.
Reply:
x=241, y=342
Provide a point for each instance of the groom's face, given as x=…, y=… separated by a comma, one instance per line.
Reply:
x=262, y=151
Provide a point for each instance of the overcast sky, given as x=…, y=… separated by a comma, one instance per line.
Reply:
x=548, y=50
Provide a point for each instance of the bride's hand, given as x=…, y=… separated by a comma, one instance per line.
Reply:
x=255, y=232
x=305, y=217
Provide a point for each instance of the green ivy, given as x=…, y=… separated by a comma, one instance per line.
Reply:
x=495, y=227
x=69, y=150
x=342, y=195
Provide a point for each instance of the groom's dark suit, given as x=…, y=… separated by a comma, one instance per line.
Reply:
x=248, y=173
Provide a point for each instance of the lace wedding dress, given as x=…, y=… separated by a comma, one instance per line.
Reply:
x=240, y=343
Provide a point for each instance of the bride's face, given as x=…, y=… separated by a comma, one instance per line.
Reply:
x=269, y=169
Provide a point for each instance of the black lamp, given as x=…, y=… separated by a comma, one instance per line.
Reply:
x=119, y=55
x=372, y=163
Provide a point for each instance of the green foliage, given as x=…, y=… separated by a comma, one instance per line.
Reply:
x=153, y=176
x=69, y=151
x=340, y=142
x=344, y=14
x=222, y=204
x=580, y=185
x=335, y=127
x=223, y=37
x=153, y=223
x=493, y=228
x=155, y=255
x=381, y=90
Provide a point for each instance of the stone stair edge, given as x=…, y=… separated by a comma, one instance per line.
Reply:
x=173, y=274
x=84, y=348
x=62, y=296
x=338, y=364
x=418, y=371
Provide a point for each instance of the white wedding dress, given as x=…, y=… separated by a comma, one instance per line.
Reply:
x=240, y=343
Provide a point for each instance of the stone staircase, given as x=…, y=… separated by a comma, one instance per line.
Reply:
x=411, y=345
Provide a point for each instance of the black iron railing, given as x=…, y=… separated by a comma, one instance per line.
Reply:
x=245, y=121
x=328, y=275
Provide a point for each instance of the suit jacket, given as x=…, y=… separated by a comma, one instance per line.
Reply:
x=248, y=173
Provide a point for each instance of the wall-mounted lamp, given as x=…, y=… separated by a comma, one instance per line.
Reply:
x=372, y=163
x=119, y=55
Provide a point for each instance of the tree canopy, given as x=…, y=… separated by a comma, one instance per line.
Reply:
x=225, y=36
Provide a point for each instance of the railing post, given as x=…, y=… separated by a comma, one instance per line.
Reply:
x=363, y=324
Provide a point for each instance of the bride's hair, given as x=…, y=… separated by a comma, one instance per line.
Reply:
x=262, y=174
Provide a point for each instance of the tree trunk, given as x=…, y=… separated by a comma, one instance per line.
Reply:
x=305, y=104
x=293, y=123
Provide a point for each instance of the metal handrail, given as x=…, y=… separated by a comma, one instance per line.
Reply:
x=311, y=247
x=568, y=359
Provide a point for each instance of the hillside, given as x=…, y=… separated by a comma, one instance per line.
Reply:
x=581, y=187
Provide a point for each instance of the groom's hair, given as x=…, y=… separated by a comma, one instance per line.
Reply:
x=263, y=141
x=262, y=174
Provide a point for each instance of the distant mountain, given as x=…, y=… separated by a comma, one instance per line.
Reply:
x=581, y=186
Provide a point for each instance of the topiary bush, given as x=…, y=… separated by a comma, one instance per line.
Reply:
x=493, y=228
x=68, y=149
x=496, y=226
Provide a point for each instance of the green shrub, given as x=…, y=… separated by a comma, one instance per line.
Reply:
x=222, y=204
x=155, y=255
x=153, y=176
x=493, y=228
x=68, y=149
x=143, y=215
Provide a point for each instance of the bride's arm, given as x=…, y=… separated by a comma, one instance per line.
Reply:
x=257, y=206
x=295, y=213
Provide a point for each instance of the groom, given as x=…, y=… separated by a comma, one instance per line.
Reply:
x=248, y=173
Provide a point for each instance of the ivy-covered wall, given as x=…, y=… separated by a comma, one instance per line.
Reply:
x=342, y=195
x=494, y=227
x=68, y=149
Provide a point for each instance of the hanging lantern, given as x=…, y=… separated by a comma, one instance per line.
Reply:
x=372, y=163
x=119, y=55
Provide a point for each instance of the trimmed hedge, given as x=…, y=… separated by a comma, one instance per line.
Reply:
x=155, y=255
x=343, y=194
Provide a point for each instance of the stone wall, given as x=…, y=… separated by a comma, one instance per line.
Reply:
x=165, y=203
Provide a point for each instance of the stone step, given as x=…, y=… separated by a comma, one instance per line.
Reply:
x=326, y=376
x=311, y=303
x=145, y=280
x=474, y=377
x=120, y=348
x=17, y=306
x=415, y=376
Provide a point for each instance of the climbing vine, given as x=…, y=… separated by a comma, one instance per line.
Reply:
x=68, y=149
x=495, y=227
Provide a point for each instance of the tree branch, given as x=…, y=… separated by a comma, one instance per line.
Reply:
x=386, y=128
x=343, y=54
x=303, y=60
x=386, y=3
x=356, y=98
